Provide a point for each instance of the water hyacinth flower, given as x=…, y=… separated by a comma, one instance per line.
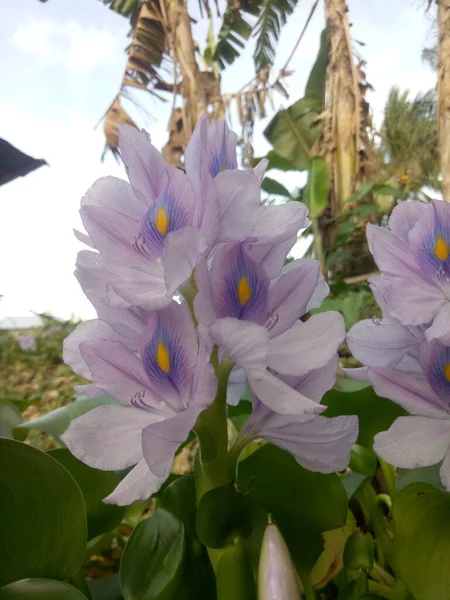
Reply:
x=161, y=389
x=149, y=235
x=319, y=444
x=255, y=321
x=277, y=577
x=414, y=257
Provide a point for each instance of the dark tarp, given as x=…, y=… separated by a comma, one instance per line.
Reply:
x=14, y=163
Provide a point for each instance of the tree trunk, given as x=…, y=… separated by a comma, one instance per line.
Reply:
x=343, y=105
x=183, y=48
x=444, y=95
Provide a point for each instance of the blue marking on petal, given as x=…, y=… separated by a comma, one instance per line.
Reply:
x=438, y=370
x=174, y=377
x=165, y=215
x=221, y=148
x=240, y=286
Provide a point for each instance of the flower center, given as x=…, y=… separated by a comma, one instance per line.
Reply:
x=162, y=221
x=162, y=358
x=244, y=291
x=441, y=250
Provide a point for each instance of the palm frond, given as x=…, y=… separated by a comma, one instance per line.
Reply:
x=272, y=17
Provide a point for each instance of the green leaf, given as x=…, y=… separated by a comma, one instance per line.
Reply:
x=42, y=516
x=315, y=194
x=239, y=414
x=375, y=414
x=422, y=474
x=273, y=16
x=272, y=186
x=276, y=161
x=223, y=513
x=9, y=417
x=234, y=574
x=293, y=131
x=421, y=516
x=224, y=51
x=363, y=460
x=353, y=482
x=151, y=565
x=359, y=551
x=303, y=504
x=179, y=498
x=106, y=588
x=94, y=485
x=57, y=421
x=40, y=589
x=315, y=86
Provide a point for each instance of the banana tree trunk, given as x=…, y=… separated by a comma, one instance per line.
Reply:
x=342, y=107
x=444, y=95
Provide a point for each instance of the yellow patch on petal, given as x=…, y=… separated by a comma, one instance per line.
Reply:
x=162, y=358
x=441, y=249
x=244, y=291
x=162, y=221
x=447, y=371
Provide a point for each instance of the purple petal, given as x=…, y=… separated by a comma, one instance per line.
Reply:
x=84, y=238
x=161, y=440
x=414, y=301
x=440, y=328
x=392, y=255
x=260, y=170
x=145, y=166
x=172, y=210
x=413, y=442
x=114, y=194
x=237, y=382
x=272, y=257
x=320, y=293
x=238, y=195
x=321, y=444
x=279, y=396
x=111, y=233
x=221, y=148
x=109, y=437
x=277, y=578
x=316, y=383
x=405, y=215
x=291, y=293
x=180, y=255
x=308, y=345
x=139, y=484
x=414, y=395
x=195, y=155
x=127, y=323
x=279, y=223
x=244, y=343
x=89, y=330
x=203, y=303
x=90, y=390
x=430, y=241
x=169, y=350
x=380, y=344
x=118, y=372
x=239, y=285
x=94, y=278
x=435, y=362
x=360, y=373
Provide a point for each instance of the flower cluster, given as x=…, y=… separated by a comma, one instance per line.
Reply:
x=187, y=273
x=407, y=353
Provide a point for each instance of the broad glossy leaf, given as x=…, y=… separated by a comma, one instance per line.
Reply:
x=95, y=485
x=57, y=421
x=152, y=561
x=40, y=589
x=274, y=187
x=10, y=416
x=315, y=86
x=293, y=131
x=106, y=588
x=198, y=579
x=42, y=516
x=375, y=414
x=359, y=551
x=315, y=194
x=223, y=513
x=303, y=504
x=363, y=460
x=421, y=516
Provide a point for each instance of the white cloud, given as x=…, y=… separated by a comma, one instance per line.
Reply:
x=68, y=44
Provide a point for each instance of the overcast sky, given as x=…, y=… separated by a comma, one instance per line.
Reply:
x=62, y=64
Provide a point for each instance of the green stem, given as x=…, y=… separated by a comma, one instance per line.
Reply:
x=381, y=575
x=308, y=590
x=389, y=477
x=235, y=451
